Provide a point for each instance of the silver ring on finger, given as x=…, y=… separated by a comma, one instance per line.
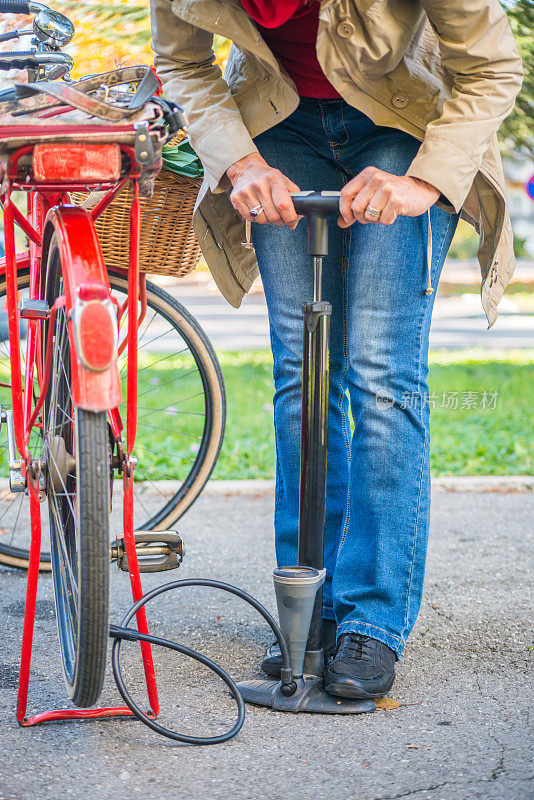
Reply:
x=373, y=212
x=256, y=211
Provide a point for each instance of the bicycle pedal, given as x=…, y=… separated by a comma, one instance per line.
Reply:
x=33, y=309
x=157, y=551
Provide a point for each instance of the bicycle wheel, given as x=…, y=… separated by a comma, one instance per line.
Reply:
x=182, y=412
x=77, y=456
x=14, y=508
x=181, y=408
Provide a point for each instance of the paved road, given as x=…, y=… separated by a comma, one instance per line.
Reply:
x=461, y=733
x=458, y=320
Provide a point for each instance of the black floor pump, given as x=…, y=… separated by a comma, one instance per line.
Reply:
x=298, y=588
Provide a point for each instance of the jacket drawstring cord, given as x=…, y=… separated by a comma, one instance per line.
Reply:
x=429, y=288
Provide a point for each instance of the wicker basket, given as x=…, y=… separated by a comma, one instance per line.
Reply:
x=168, y=243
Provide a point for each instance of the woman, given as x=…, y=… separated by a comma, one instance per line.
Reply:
x=397, y=105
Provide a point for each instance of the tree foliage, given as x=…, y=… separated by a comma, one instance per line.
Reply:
x=108, y=34
x=114, y=33
x=517, y=132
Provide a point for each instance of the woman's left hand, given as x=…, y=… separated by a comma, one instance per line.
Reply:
x=391, y=195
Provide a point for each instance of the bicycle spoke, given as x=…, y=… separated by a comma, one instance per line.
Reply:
x=60, y=525
x=9, y=508
x=169, y=383
x=145, y=509
x=139, y=338
x=163, y=358
x=65, y=560
x=175, y=433
x=155, y=339
x=70, y=592
x=147, y=325
x=66, y=493
x=5, y=342
x=68, y=384
x=62, y=423
x=17, y=517
x=158, y=490
x=147, y=474
x=151, y=411
x=14, y=526
x=169, y=410
x=158, y=451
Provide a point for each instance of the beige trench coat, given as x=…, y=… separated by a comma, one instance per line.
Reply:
x=444, y=72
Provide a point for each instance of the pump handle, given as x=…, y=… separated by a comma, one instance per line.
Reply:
x=317, y=207
x=316, y=204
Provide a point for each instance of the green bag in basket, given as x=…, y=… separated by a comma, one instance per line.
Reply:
x=181, y=159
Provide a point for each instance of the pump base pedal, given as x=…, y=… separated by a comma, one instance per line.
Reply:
x=309, y=697
x=157, y=551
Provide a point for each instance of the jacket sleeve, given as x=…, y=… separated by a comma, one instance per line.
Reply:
x=477, y=48
x=185, y=64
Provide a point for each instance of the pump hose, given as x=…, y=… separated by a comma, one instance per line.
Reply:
x=119, y=633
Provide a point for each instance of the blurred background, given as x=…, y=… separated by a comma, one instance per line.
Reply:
x=482, y=382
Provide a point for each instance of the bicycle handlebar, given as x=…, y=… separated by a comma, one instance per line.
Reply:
x=14, y=7
x=19, y=59
x=31, y=59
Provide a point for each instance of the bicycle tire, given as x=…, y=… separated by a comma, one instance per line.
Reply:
x=78, y=514
x=190, y=331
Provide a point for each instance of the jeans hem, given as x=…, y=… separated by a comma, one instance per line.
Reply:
x=328, y=613
x=353, y=626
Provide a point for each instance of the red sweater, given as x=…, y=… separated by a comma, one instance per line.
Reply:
x=289, y=27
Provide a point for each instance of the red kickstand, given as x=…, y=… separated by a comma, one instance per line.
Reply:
x=29, y=620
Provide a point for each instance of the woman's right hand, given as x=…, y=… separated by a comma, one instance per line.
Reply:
x=257, y=184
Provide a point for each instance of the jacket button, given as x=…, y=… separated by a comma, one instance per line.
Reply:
x=345, y=29
x=400, y=100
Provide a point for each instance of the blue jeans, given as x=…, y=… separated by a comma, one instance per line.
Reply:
x=378, y=477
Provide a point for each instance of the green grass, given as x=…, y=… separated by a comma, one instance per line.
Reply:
x=483, y=441
x=248, y=448
x=465, y=441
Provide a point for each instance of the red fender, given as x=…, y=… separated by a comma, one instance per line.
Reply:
x=95, y=382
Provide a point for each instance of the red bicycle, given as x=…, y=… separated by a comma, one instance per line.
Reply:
x=69, y=430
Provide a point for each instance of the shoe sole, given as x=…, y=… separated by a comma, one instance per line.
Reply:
x=355, y=694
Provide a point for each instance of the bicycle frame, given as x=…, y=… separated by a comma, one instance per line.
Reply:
x=49, y=213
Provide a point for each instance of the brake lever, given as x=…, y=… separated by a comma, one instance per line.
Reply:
x=6, y=37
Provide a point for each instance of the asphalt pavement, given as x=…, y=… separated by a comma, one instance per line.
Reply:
x=458, y=320
x=464, y=689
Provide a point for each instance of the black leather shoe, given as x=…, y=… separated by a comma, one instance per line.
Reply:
x=272, y=660
x=360, y=668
